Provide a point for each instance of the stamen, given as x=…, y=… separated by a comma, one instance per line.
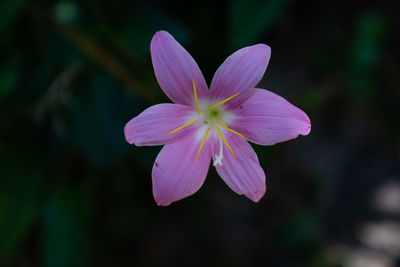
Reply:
x=223, y=101
x=232, y=131
x=183, y=126
x=195, y=98
x=202, y=143
x=226, y=143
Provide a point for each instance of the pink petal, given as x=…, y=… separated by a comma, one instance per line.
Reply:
x=149, y=128
x=266, y=118
x=243, y=174
x=175, y=70
x=240, y=73
x=176, y=174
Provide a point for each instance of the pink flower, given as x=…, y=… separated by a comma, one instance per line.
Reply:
x=215, y=123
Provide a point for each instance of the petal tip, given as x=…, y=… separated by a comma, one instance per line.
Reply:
x=264, y=48
x=128, y=136
x=159, y=199
x=307, y=126
x=307, y=129
x=162, y=204
x=160, y=36
x=256, y=196
x=161, y=33
x=157, y=37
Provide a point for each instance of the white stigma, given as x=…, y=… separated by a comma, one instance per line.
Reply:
x=218, y=158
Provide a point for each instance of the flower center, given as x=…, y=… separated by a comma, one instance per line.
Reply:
x=212, y=118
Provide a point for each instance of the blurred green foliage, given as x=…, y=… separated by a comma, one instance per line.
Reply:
x=8, y=77
x=369, y=37
x=250, y=19
x=8, y=11
x=65, y=228
x=19, y=196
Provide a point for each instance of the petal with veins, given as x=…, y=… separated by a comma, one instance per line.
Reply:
x=177, y=173
x=175, y=70
x=240, y=73
x=150, y=127
x=266, y=119
x=242, y=173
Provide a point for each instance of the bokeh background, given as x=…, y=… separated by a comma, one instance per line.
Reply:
x=74, y=193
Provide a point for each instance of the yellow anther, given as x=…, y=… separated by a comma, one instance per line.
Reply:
x=226, y=143
x=202, y=143
x=232, y=131
x=183, y=126
x=195, y=98
x=223, y=101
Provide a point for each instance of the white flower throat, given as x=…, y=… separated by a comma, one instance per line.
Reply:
x=211, y=118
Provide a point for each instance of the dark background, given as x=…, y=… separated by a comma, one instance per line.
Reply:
x=74, y=193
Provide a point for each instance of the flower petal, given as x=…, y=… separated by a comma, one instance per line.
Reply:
x=240, y=73
x=176, y=173
x=266, y=119
x=175, y=70
x=242, y=173
x=150, y=127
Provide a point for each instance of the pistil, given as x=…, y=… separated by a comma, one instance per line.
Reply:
x=226, y=143
x=218, y=158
